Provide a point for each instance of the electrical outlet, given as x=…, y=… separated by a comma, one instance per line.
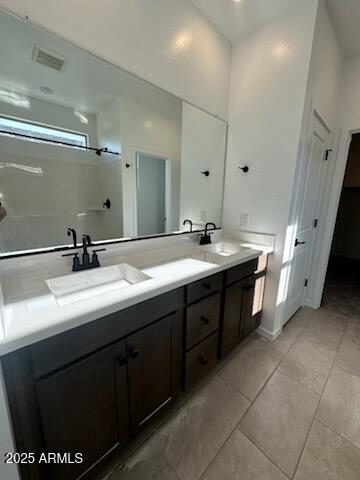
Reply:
x=203, y=215
x=244, y=220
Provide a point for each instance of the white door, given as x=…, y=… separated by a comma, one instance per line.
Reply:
x=150, y=194
x=309, y=191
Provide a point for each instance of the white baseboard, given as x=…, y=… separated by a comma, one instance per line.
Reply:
x=267, y=334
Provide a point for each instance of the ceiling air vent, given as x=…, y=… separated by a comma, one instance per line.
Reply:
x=48, y=58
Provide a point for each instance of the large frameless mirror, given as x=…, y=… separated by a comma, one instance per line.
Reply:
x=87, y=146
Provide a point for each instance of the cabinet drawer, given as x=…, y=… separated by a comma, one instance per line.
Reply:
x=200, y=361
x=202, y=319
x=203, y=287
x=241, y=271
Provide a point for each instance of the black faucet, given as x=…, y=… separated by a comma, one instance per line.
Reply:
x=205, y=238
x=72, y=231
x=190, y=223
x=85, y=262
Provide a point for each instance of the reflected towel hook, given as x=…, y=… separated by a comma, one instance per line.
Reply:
x=206, y=173
x=107, y=203
x=245, y=169
x=127, y=165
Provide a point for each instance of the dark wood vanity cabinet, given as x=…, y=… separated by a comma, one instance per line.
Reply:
x=153, y=357
x=92, y=389
x=243, y=296
x=84, y=409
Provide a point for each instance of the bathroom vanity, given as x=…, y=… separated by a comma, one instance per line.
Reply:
x=93, y=388
x=92, y=359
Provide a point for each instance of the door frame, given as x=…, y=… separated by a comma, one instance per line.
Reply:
x=167, y=160
x=334, y=187
x=310, y=114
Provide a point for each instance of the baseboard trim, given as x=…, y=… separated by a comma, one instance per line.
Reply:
x=267, y=334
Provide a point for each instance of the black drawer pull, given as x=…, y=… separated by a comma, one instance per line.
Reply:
x=203, y=360
x=205, y=320
x=134, y=352
x=122, y=361
x=206, y=285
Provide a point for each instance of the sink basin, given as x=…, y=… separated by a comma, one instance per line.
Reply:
x=225, y=249
x=81, y=285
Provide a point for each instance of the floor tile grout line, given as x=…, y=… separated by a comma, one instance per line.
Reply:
x=236, y=428
x=260, y=391
x=299, y=383
x=235, y=387
x=345, y=370
x=267, y=455
x=253, y=401
x=243, y=415
x=318, y=406
x=337, y=433
x=231, y=432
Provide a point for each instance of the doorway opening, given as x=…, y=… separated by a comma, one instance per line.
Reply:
x=342, y=283
x=152, y=194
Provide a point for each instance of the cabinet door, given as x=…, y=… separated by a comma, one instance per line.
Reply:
x=153, y=369
x=83, y=409
x=231, y=327
x=252, y=303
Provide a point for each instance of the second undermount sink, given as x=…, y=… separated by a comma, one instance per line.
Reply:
x=224, y=249
x=81, y=285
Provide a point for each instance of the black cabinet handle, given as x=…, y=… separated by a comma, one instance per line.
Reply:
x=299, y=243
x=205, y=320
x=206, y=285
x=203, y=360
x=134, y=352
x=122, y=361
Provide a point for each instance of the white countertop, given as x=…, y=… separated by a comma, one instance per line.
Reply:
x=39, y=316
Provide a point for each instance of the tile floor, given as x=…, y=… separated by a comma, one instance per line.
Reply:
x=274, y=411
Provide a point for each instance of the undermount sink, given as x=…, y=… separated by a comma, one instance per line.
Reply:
x=81, y=285
x=225, y=249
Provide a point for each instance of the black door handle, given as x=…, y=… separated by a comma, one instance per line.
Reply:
x=299, y=243
x=134, y=352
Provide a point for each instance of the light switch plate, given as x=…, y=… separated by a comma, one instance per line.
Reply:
x=244, y=220
x=203, y=215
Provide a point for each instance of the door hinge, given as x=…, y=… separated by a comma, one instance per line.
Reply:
x=306, y=282
x=327, y=153
x=315, y=224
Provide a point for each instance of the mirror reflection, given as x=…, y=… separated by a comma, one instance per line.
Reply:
x=86, y=146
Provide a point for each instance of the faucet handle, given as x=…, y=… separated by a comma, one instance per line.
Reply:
x=76, y=261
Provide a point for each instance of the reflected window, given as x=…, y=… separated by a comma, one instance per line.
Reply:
x=35, y=132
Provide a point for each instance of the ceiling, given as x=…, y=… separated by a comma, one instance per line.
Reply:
x=345, y=15
x=86, y=83
x=236, y=19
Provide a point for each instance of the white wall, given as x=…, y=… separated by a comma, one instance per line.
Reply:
x=325, y=68
x=267, y=94
x=349, y=105
x=136, y=128
x=203, y=147
x=167, y=42
x=108, y=127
